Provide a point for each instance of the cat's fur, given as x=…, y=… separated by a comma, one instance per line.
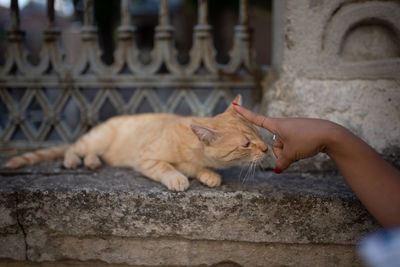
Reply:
x=165, y=147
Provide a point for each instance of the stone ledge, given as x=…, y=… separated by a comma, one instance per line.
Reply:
x=53, y=214
x=196, y=253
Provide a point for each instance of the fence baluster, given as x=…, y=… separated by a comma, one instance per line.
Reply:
x=202, y=54
x=50, y=13
x=89, y=61
x=125, y=13
x=88, y=13
x=16, y=56
x=244, y=12
x=203, y=12
x=163, y=13
x=51, y=54
x=242, y=55
x=126, y=52
x=14, y=15
x=164, y=51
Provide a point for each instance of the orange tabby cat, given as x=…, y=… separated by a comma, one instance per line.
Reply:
x=165, y=147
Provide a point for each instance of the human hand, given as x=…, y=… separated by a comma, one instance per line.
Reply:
x=375, y=182
x=295, y=138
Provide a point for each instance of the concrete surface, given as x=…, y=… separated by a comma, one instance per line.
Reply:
x=118, y=216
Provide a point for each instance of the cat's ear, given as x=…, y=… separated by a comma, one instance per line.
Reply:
x=237, y=100
x=206, y=135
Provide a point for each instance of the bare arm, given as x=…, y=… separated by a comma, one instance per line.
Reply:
x=374, y=181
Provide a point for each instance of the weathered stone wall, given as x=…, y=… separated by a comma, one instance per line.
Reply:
x=339, y=60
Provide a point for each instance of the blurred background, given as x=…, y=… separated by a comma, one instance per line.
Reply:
x=223, y=16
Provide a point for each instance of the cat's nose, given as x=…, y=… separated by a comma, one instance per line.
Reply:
x=264, y=148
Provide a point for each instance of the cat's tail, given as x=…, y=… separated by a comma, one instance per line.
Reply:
x=38, y=156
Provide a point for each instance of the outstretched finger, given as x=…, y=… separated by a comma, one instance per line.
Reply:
x=257, y=119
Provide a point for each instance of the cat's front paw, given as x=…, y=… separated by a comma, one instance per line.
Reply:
x=92, y=161
x=72, y=161
x=177, y=183
x=211, y=179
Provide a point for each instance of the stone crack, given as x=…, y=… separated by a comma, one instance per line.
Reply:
x=20, y=224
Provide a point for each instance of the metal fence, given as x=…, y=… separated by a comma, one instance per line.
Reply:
x=54, y=102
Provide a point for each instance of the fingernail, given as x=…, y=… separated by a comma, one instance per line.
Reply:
x=278, y=171
x=235, y=104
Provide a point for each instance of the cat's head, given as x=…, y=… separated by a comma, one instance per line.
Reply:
x=230, y=140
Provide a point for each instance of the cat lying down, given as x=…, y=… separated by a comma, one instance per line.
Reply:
x=164, y=147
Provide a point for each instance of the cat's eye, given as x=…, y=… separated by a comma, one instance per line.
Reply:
x=246, y=145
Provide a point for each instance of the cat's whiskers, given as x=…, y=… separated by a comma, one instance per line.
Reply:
x=245, y=176
x=241, y=171
x=240, y=176
x=250, y=171
x=253, y=166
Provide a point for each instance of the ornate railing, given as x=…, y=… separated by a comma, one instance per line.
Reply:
x=54, y=102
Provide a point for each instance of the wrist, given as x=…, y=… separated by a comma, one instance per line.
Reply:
x=335, y=139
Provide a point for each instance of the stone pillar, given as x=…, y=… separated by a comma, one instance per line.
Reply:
x=339, y=60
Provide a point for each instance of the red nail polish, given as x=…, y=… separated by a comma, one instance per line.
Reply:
x=278, y=171
x=235, y=104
